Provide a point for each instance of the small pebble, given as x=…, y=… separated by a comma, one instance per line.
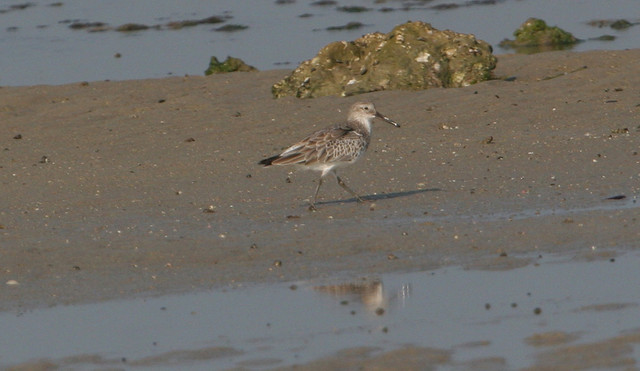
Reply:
x=537, y=311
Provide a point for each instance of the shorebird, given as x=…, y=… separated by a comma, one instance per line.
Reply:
x=333, y=147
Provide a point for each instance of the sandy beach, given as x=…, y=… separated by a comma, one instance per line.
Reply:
x=150, y=187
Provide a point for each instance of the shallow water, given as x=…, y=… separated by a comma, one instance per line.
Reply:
x=523, y=214
x=39, y=47
x=472, y=314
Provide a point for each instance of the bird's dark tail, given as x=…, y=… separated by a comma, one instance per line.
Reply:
x=268, y=161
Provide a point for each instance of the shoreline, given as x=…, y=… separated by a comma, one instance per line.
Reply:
x=150, y=187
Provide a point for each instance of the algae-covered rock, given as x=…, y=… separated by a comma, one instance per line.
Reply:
x=616, y=24
x=132, y=27
x=229, y=65
x=535, y=32
x=621, y=24
x=413, y=56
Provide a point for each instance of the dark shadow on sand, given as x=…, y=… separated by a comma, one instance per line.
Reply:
x=379, y=197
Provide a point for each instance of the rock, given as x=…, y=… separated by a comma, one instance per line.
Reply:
x=621, y=24
x=352, y=9
x=534, y=32
x=132, y=27
x=88, y=25
x=603, y=38
x=231, y=28
x=229, y=65
x=178, y=25
x=413, y=56
x=617, y=24
x=348, y=26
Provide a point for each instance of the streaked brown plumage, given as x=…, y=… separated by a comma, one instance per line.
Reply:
x=335, y=146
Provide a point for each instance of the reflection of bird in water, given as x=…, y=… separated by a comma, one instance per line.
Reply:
x=371, y=294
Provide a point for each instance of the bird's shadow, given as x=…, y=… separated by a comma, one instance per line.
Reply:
x=379, y=197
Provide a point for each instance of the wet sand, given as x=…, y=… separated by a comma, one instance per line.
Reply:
x=150, y=187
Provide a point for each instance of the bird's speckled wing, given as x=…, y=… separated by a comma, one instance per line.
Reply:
x=331, y=145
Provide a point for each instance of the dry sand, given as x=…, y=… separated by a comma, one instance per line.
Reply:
x=149, y=187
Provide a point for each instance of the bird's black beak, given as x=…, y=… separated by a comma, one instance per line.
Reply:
x=385, y=118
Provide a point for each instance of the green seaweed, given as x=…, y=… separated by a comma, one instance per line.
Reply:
x=621, y=24
x=132, y=27
x=348, y=26
x=353, y=9
x=231, y=28
x=536, y=32
x=229, y=65
x=195, y=22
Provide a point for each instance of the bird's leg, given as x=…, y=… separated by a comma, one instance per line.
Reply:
x=312, y=206
x=343, y=185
